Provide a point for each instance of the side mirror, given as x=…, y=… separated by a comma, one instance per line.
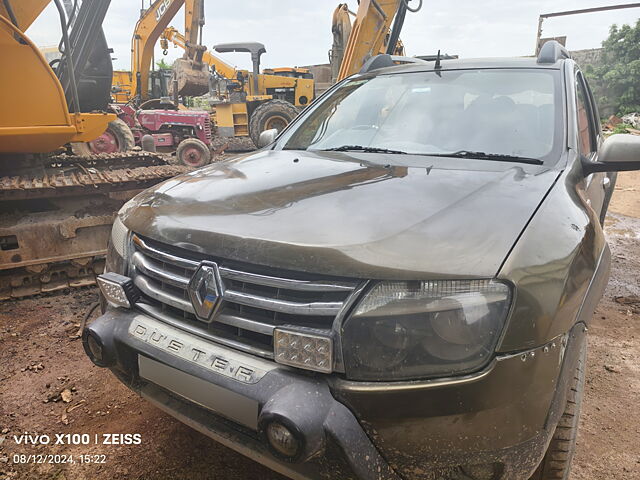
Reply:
x=268, y=137
x=618, y=153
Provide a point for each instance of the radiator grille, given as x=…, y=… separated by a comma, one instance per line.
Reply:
x=255, y=299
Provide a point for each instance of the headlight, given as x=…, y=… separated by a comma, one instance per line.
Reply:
x=118, y=249
x=412, y=330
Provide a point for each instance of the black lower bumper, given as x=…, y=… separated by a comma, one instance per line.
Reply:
x=346, y=430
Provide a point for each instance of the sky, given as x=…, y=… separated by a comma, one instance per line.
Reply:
x=298, y=32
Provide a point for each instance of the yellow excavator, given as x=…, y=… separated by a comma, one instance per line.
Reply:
x=56, y=208
x=53, y=109
x=375, y=30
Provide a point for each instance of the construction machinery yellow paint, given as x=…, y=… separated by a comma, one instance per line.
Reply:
x=243, y=103
x=375, y=30
x=247, y=103
x=296, y=82
x=122, y=87
x=56, y=208
x=39, y=120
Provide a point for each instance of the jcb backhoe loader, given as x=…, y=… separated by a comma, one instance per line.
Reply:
x=246, y=103
x=56, y=209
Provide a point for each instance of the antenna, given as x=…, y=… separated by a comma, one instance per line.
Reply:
x=438, y=66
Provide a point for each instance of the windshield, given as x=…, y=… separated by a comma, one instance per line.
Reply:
x=496, y=111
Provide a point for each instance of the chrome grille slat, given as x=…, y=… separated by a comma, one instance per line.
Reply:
x=277, y=282
x=165, y=257
x=231, y=274
x=247, y=324
x=160, y=295
x=283, y=306
x=145, y=266
x=159, y=314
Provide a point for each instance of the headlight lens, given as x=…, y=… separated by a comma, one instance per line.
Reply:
x=412, y=330
x=117, y=251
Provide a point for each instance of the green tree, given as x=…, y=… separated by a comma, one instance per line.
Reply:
x=617, y=80
x=162, y=65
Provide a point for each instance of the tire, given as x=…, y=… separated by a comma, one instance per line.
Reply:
x=556, y=463
x=117, y=138
x=272, y=114
x=193, y=153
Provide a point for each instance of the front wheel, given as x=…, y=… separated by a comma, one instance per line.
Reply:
x=274, y=114
x=556, y=463
x=193, y=153
x=116, y=138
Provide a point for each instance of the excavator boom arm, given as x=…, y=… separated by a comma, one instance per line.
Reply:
x=368, y=33
x=149, y=29
x=193, y=22
x=147, y=32
x=174, y=36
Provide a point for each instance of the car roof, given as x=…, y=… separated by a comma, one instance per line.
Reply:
x=470, y=63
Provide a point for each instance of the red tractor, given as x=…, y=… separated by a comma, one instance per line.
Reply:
x=186, y=132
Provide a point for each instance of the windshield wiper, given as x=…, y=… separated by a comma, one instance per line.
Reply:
x=360, y=148
x=499, y=157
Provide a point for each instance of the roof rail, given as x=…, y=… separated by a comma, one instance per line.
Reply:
x=385, y=60
x=433, y=58
x=552, y=51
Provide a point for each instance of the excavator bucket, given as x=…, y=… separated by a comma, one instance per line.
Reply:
x=192, y=77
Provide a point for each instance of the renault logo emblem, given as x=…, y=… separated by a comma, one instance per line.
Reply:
x=206, y=290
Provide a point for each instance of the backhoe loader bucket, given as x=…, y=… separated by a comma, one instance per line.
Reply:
x=192, y=77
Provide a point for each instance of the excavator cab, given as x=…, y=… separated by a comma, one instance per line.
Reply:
x=256, y=49
x=46, y=105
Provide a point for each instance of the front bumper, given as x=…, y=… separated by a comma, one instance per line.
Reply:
x=492, y=425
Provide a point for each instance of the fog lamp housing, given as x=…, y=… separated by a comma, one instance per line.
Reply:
x=283, y=440
x=310, y=351
x=118, y=290
x=95, y=349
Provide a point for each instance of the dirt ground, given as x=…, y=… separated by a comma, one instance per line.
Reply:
x=48, y=386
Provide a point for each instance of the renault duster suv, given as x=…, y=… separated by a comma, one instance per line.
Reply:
x=398, y=286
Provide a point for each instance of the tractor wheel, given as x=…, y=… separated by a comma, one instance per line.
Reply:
x=193, y=153
x=116, y=138
x=272, y=114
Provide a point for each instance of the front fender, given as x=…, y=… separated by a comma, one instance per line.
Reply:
x=560, y=266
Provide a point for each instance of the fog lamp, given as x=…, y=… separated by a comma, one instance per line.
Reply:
x=303, y=350
x=117, y=289
x=95, y=349
x=283, y=440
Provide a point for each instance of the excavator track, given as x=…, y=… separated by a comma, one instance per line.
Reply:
x=66, y=175
x=56, y=215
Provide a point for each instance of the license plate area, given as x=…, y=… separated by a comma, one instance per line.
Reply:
x=222, y=401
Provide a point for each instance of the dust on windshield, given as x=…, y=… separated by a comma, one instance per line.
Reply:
x=497, y=111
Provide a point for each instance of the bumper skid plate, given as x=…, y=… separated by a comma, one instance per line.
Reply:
x=198, y=381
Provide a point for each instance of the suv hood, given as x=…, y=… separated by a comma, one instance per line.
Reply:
x=338, y=214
